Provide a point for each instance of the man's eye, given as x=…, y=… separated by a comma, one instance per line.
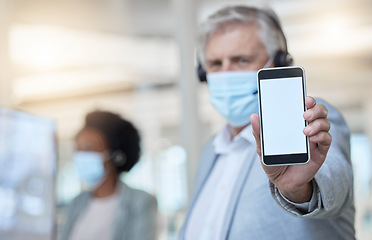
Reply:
x=214, y=64
x=243, y=61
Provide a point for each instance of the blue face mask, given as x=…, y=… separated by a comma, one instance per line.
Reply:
x=233, y=95
x=89, y=167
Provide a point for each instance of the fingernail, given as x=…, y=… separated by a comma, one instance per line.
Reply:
x=326, y=112
x=308, y=129
x=308, y=115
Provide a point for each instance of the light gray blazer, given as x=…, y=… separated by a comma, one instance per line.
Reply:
x=135, y=218
x=257, y=212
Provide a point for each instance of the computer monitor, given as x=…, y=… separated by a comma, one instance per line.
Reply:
x=27, y=176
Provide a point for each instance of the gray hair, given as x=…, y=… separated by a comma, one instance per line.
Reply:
x=266, y=21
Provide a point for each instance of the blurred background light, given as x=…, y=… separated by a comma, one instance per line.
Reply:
x=62, y=59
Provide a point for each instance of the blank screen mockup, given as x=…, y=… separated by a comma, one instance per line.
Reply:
x=282, y=108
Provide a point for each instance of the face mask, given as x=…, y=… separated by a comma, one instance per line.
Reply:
x=89, y=167
x=233, y=95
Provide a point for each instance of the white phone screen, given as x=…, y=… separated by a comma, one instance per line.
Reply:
x=282, y=108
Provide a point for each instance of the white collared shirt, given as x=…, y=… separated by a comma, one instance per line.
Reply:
x=208, y=214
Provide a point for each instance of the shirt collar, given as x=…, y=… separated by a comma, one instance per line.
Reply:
x=223, y=142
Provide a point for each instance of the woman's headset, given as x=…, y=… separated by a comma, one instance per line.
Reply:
x=118, y=158
x=282, y=58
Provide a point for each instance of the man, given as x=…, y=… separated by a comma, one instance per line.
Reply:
x=234, y=198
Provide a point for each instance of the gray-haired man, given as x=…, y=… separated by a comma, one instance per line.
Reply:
x=234, y=198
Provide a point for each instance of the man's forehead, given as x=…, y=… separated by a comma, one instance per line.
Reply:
x=234, y=40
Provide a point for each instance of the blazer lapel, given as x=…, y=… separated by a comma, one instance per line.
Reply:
x=244, y=172
x=208, y=158
x=122, y=218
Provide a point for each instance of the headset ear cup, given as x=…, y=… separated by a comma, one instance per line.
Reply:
x=283, y=59
x=288, y=59
x=118, y=158
x=201, y=73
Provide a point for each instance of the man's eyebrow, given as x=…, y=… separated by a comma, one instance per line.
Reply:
x=237, y=56
x=213, y=60
x=244, y=56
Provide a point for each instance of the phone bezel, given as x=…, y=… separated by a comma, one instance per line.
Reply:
x=273, y=73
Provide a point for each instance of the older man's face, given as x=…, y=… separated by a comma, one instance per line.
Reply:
x=235, y=48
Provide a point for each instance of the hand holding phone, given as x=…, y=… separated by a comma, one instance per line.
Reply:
x=293, y=180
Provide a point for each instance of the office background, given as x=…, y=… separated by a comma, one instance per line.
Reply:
x=62, y=59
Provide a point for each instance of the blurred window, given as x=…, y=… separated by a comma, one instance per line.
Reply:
x=27, y=176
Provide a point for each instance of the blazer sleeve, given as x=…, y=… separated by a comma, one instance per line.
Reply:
x=333, y=183
x=71, y=214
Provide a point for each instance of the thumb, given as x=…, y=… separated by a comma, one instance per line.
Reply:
x=255, y=121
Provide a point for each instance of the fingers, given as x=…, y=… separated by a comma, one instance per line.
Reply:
x=318, y=125
x=323, y=138
x=315, y=112
x=255, y=121
x=310, y=102
x=318, y=128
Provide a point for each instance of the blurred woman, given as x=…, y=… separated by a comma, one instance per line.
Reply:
x=107, y=146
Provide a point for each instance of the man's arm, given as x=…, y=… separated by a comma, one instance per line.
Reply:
x=326, y=186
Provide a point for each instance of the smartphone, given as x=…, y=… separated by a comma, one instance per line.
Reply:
x=281, y=94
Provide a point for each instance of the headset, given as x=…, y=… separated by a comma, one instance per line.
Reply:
x=118, y=158
x=282, y=58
